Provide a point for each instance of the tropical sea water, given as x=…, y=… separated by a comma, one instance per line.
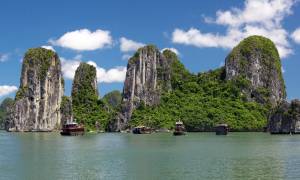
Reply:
x=45, y=156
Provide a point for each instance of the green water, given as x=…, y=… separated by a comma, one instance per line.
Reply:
x=45, y=156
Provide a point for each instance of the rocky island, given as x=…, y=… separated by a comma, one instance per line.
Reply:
x=37, y=102
x=248, y=93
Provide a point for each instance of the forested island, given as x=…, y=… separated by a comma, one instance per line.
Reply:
x=248, y=93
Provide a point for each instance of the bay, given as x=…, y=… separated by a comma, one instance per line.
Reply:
x=157, y=156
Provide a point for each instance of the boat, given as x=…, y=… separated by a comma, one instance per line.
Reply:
x=179, y=129
x=222, y=129
x=141, y=130
x=72, y=129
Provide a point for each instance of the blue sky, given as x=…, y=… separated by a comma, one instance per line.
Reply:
x=105, y=33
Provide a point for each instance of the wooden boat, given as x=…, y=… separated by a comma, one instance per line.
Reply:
x=222, y=129
x=141, y=130
x=72, y=129
x=179, y=129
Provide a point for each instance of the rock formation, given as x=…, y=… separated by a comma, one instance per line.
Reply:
x=85, y=79
x=256, y=59
x=286, y=119
x=38, y=100
x=85, y=94
x=148, y=75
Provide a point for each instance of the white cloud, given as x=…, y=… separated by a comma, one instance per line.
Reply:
x=258, y=17
x=296, y=35
x=126, y=57
x=84, y=40
x=68, y=67
x=49, y=48
x=113, y=75
x=127, y=45
x=5, y=90
x=3, y=57
x=171, y=49
x=116, y=74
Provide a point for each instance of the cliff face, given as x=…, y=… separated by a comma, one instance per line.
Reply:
x=38, y=100
x=256, y=59
x=148, y=74
x=286, y=119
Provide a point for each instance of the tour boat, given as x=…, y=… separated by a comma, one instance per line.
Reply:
x=222, y=129
x=141, y=130
x=72, y=129
x=179, y=129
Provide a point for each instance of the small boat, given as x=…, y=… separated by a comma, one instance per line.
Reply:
x=179, y=129
x=222, y=129
x=141, y=130
x=72, y=129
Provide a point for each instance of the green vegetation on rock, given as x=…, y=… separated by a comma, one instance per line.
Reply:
x=113, y=99
x=40, y=57
x=87, y=107
x=21, y=92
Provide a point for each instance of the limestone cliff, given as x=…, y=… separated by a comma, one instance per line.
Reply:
x=286, y=119
x=38, y=100
x=257, y=61
x=148, y=75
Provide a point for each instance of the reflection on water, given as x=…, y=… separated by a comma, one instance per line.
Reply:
x=156, y=156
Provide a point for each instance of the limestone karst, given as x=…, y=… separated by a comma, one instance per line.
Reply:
x=148, y=75
x=256, y=60
x=38, y=100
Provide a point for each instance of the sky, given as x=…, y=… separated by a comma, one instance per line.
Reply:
x=106, y=33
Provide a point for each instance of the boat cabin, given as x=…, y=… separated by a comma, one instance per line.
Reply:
x=222, y=129
x=179, y=129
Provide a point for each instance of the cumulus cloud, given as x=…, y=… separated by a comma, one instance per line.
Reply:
x=296, y=35
x=116, y=74
x=174, y=50
x=258, y=17
x=84, y=40
x=3, y=57
x=68, y=67
x=49, y=48
x=5, y=90
x=127, y=45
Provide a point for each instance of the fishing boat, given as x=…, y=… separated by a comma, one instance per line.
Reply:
x=141, y=130
x=222, y=129
x=72, y=129
x=179, y=129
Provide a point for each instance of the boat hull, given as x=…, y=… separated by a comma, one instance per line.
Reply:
x=178, y=133
x=76, y=133
x=72, y=132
